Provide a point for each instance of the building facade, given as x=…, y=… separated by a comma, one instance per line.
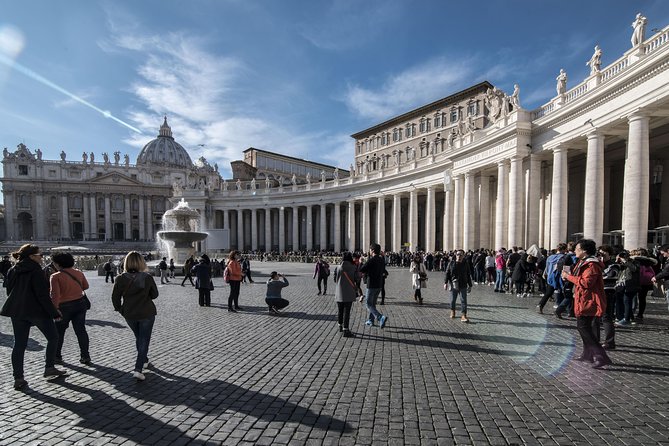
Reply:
x=93, y=200
x=476, y=169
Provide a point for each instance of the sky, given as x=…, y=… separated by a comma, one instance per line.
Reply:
x=296, y=77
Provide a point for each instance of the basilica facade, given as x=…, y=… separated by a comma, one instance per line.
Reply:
x=476, y=169
x=97, y=200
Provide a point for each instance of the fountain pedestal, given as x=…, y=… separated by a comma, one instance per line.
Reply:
x=179, y=232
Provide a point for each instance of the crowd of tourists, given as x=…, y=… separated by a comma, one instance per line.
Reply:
x=602, y=287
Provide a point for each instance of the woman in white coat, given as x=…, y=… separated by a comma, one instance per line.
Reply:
x=418, y=277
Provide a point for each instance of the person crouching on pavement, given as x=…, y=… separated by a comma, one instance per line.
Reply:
x=589, y=301
x=273, y=297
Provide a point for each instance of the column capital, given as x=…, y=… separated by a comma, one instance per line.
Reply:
x=637, y=115
x=503, y=163
x=469, y=174
x=595, y=134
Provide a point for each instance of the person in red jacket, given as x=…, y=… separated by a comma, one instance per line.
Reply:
x=589, y=301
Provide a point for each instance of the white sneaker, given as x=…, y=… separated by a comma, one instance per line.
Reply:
x=139, y=376
x=146, y=366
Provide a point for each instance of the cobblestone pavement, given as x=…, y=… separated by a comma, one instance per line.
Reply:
x=252, y=378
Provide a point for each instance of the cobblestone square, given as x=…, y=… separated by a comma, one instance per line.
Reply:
x=507, y=377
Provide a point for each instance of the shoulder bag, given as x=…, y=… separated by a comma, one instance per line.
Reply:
x=87, y=301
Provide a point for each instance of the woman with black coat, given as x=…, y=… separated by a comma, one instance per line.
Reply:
x=203, y=283
x=28, y=303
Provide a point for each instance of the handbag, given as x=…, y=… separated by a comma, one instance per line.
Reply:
x=87, y=301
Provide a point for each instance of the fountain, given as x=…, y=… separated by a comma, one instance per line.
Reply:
x=180, y=232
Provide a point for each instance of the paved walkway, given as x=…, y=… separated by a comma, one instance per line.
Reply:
x=252, y=378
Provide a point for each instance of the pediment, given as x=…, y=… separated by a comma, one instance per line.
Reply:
x=117, y=179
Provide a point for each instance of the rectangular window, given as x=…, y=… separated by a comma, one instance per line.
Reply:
x=454, y=115
x=52, y=173
x=437, y=120
x=473, y=109
x=23, y=170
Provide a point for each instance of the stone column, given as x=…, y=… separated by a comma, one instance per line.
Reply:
x=128, y=218
x=226, y=219
x=337, y=227
x=323, y=228
x=350, y=216
x=515, y=201
x=282, y=229
x=65, y=218
x=484, y=212
x=397, y=223
x=381, y=222
x=458, y=242
x=94, y=216
x=268, y=229
x=469, y=212
x=296, y=228
x=559, y=197
x=447, y=236
x=413, y=220
x=500, y=206
x=240, y=229
x=87, y=217
x=108, y=225
x=149, y=219
x=10, y=223
x=636, y=184
x=310, y=228
x=430, y=220
x=365, y=224
x=40, y=218
x=534, y=202
x=254, y=229
x=593, y=205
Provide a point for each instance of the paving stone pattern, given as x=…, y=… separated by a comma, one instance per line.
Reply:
x=254, y=378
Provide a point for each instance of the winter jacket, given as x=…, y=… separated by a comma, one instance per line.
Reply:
x=235, y=270
x=133, y=295
x=588, y=280
x=66, y=289
x=345, y=291
x=415, y=270
x=274, y=288
x=374, y=268
x=202, y=273
x=458, y=275
x=28, y=293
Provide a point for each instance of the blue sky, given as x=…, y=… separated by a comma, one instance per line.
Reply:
x=296, y=77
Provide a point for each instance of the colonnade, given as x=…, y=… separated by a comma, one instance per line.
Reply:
x=518, y=199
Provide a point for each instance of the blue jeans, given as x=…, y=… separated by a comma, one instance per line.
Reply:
x=370, y=301
x=666, y=297
x=74, y=311
x=142, y=329
x=499, y=279
x=463, y=299
x=22, y=332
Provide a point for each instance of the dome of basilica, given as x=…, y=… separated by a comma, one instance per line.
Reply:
x=164, y=150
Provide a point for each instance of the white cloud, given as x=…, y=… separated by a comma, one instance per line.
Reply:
x=411, y=88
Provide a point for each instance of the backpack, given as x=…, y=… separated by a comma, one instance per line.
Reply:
x=107, y=267
x=326, y=269
x=226, y=275
x=629, y=277
x=646, y=274
x=554, y=270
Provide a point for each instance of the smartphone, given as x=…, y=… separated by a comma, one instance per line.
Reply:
x=566, y=269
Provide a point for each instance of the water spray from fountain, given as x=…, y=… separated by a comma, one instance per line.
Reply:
x=180, y=232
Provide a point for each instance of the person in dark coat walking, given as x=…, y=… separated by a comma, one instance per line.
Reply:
x=188, y=266
x=346, y=291
x=132, y=297
x=203, y=283
x=459, y=280
x=29, y=304
x=374, y=269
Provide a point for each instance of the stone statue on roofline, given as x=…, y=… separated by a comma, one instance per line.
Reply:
x=84, y=157
x=561, y=86
x=639, y=27
x=515, y=97
x=595, y=61
x=63, y=155
x=126, y=160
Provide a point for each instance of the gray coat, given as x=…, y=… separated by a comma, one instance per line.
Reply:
x=345, y=291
